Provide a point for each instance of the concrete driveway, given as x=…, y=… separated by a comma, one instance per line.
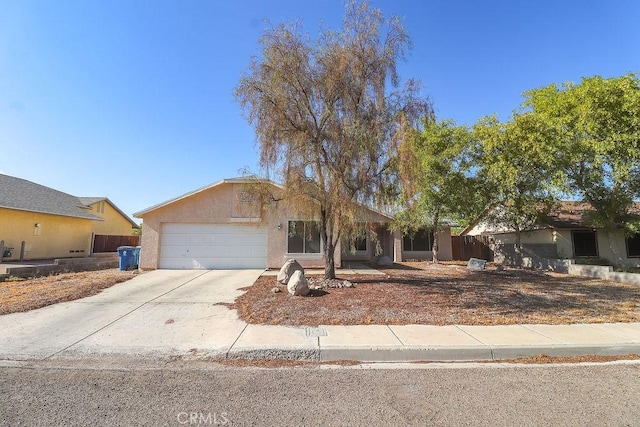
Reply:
x=162, y=312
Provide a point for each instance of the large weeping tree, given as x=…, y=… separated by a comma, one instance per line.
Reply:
x=329, y=115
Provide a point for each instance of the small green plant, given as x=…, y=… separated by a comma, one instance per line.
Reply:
x=14, y=279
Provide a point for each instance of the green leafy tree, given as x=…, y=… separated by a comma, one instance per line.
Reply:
x=329, y=114
x=518, y=166
x=597, y=123
x=437, y=168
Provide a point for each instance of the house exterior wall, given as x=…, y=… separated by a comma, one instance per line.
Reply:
x=382, y=245
x=114, y=223
x=210, y=206
x=611, y=245
x=56, y=237
x=277, y=240
x=444, y=248
x=536, y=237
x=222, y=204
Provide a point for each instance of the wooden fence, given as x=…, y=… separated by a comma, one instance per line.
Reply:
x=465, y=247
x=103, y=243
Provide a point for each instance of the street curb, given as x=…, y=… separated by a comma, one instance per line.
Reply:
x=406, y=354
x=469, y=354
x=514, y=352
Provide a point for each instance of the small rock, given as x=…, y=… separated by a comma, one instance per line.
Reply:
x=499, y=267
x=385, y=261
x=276, y=290
x=347, y=284
x=476, y=264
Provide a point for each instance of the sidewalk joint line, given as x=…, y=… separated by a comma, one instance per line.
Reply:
x=394, y=334
x=124, y=315
x=226, y=356
x=475, y=338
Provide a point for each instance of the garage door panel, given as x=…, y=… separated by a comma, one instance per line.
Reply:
x=215, y=246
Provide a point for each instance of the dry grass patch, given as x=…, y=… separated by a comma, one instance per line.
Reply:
x=17, y=295
x=422, y=293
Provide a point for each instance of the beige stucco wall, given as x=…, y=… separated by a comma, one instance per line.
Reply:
x=114, y=223
x=528, y=237
x=55, y=237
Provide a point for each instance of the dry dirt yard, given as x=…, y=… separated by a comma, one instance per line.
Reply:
x=423, y=293
x=18, y=295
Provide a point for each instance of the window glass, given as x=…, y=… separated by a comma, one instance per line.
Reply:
x=295, y=239
x=303, y=237
x=633, y=245
x=422, y=240
x=584, y=244
x=312, y=237
x=360, y=244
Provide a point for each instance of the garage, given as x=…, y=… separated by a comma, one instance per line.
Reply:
x=212, y=246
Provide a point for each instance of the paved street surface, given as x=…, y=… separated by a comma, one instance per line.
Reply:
x=109, y=393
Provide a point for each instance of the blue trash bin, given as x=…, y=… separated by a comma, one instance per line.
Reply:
x=127, y=257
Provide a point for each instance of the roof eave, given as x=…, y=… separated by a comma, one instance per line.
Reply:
x=238, y=180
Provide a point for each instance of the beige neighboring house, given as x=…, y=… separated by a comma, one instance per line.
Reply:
x=220, y=226
x=38, y=222
x=115, y=222
x=564, y=236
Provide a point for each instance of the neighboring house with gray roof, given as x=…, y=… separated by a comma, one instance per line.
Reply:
x=51, y=223
x=565, y=235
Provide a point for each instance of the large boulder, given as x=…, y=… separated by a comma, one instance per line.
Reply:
x=287, y=271
x=297, y=284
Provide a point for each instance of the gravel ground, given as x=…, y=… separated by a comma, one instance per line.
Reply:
x=428, y=294
x=17, y=295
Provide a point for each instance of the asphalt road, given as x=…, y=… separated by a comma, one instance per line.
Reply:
x=190, y=394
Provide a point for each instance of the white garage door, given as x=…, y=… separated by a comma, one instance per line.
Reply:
x=213, y=246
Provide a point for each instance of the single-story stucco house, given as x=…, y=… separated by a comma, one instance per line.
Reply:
x=564, y=236
x=220, y=226
x=53, y=224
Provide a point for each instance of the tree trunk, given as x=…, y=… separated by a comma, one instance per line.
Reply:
x=614, y=248
x=518, y=248
x=326, y=235
x=329, y=262
x=434, y=249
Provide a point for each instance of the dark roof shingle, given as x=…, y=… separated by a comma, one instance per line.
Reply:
x=23, y=195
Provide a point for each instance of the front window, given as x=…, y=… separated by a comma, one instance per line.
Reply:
x=360, y=244
x=422, y=240
x=303, y=237
x=633, y=246
x=585, y=244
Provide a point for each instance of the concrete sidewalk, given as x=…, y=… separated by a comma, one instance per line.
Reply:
x=166, y=314
x=389, y=343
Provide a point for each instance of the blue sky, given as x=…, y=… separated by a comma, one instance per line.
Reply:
x=133, y=100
